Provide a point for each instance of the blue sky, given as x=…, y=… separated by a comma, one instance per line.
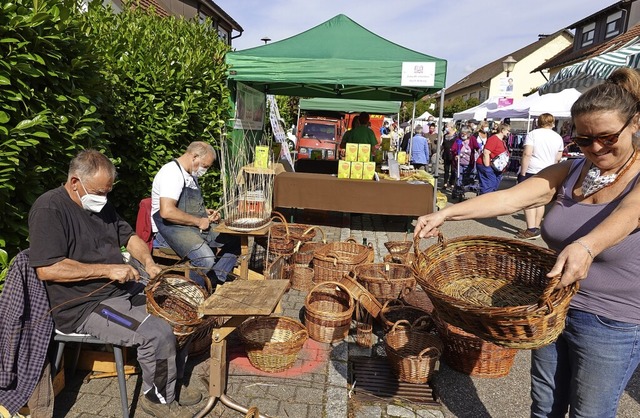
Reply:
x=467, y=33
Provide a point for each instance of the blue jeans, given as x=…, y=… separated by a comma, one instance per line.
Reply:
x=586, y=369
x=488, y=179
x=202, y=255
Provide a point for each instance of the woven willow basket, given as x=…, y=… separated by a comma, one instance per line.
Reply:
x=386, y=281
x=176, y=299
x=495, y=288
x=470, y=355
x=327, y=312
x=273, y=342
x=395, y=310
x=333, y=260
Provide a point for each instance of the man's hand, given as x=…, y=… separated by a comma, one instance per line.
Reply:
x=123, y=273
x=203, y=224
x=214, y=215
x=152, y=270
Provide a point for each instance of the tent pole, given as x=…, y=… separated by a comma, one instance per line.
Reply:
x=440, y=133
x=413, y=117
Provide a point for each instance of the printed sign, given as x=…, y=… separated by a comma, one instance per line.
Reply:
x=250, y=104
x=418, y=74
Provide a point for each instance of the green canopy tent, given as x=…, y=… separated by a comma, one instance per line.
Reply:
x=339, y=59
x=350, y=105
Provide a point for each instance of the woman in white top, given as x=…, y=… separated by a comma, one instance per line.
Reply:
x=542, y=148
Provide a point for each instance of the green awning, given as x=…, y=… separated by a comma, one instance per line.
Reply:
x=350, y=106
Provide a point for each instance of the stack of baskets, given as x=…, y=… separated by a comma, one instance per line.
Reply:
x=470, y=355
x=175, y=299
x=302, y=277
x=395, y=310
x=495, y=288
x=327, y=312
x=272, y=343
x=283, y=240
x=412, y=354
x=386, y=281
x=334, y=260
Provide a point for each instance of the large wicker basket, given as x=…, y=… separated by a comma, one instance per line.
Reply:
x=395, y=310
x=470, y=355
x=332, y=261
x=327, y=312
x=386, y=281
x=176, y=299
x=273, y=342
x=495, y=288
x=412, y=354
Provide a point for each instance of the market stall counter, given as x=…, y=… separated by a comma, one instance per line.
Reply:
x=327, y=192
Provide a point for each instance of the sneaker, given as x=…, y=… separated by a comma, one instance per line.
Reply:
x=528, y=233
x=187, y=396
x=163, y=410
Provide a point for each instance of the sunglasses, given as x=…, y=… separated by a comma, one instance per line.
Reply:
x=606, y=140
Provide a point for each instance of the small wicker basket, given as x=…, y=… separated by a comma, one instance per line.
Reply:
x=412, y=354
x=327, y=312
x=495, y=288
x=302, y=278
x=176, y=299
x=364, y=325
x=395, y=310
x=273, y=342
x=333, y=260
x=398, y=247
x=470, y=355
x=386, y=281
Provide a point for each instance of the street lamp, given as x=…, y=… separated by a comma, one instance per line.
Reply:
x=508, y=64
x=265, y=39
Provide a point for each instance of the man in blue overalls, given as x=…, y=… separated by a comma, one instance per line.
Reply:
x=182, y=222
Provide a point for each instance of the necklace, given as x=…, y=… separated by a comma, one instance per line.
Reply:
x=594, y=182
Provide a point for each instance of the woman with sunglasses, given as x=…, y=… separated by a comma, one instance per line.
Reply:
x=593, y=224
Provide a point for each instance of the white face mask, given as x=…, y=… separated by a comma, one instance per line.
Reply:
x=199, y=172
x=92, y=202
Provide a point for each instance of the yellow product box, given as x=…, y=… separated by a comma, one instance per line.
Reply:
x=351, y=153
x=344, y=169
x=356, y=170
x=368, y=170
x=385, y=142
x=364, y=152
x=261, y=157
x=402, y=157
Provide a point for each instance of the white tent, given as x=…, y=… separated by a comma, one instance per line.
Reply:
x=478, y=112
x=558, y=104
x=424, y=116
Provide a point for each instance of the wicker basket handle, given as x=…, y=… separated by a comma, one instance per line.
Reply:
x=361, y=312
x=311, y=228
x=545, y=298
x=278, y=215
x=428, y=350
x=400, y=322
x=253, y=412
x=329, y=283
x=422, y=323
x=394, y=301
x=416, y=243
x=303, y=334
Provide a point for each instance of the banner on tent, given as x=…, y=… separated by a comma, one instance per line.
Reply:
x=250, y=106
x=418, y=74
x=276, y=127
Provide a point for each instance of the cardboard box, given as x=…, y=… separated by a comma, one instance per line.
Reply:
x=351, y=153
x=261, y=157
x=356, y=170
x=102, y=361
x=364, y=152
x=385, y=142
x=402, y=157
x=368, y=170
x=344, y=169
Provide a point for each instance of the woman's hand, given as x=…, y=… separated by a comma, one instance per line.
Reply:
x=573, y=263
x=427, y=225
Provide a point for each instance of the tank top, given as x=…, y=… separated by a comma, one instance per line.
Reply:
x=611, y=288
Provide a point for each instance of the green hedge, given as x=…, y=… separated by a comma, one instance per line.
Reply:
x=166, y=88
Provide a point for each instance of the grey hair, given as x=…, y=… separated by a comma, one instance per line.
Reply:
x=465, y=130
x=201, y=149
x=88, y=163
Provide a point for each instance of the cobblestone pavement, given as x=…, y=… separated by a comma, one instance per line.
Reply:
x=318, y=384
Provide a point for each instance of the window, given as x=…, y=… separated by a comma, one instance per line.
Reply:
x=483, y=95
x=614, y=24
x=588, y=34
x=223, y=34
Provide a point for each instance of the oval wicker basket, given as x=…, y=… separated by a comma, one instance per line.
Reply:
x=412, y=354
x=495, y=288
x=473, y=356
x=327, y=312
x=398, y=247
x=176, y=299
x=395, y=310
x=333, y=260
x=272, y=343
x=386, y=281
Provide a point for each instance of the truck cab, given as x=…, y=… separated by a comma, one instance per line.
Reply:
x=318, y=137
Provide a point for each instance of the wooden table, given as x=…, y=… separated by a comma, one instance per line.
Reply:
x=327, y=192
x=239, y=300
x=244, y=244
